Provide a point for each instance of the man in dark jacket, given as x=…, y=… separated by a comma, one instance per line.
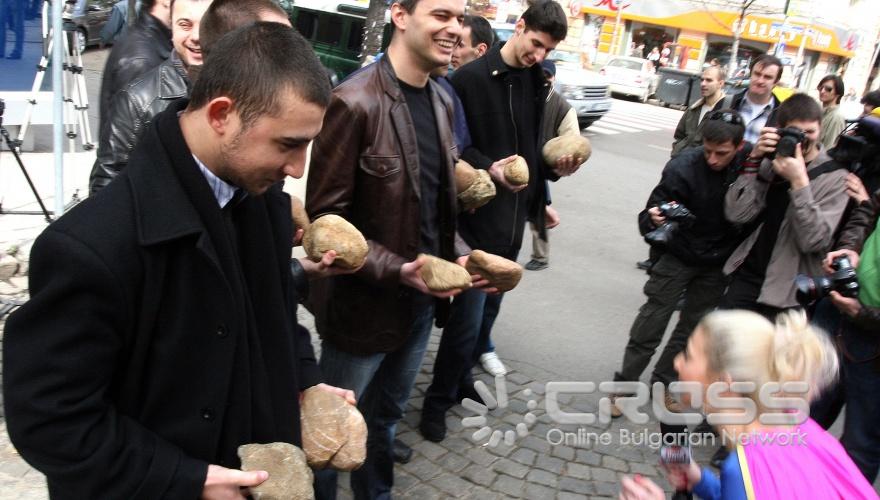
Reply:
x=692, y=259
x=147, y=43
x=687, y=133
x=503, y=95
x=757, y=105
x=134, y=106
x=386, y=158
x=161, y=332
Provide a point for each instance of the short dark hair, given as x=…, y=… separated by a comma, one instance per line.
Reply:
x=838, y=85
x=872, y=98
x=224, y=16
x=171, y=8
x=767, y=60
x=408, y=5
x=254, y=65
x=722, y=126
x=481, y=31
x=146, y=5
x=546, y=16
x=799, y=107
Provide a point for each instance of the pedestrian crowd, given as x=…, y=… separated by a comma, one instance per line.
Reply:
x=162, y=335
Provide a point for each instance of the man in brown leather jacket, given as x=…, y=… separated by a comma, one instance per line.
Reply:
x=384, y=161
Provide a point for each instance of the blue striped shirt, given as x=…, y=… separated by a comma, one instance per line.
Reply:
x=223, y=191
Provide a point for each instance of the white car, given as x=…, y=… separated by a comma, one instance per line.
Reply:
x=631, y=76
x=586, y=91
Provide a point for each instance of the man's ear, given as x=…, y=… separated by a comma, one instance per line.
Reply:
x=520, y=27
x=398, y=16
x=220, y=113
x=481, y=49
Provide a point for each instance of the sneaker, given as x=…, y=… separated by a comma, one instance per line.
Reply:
x=536, y=265
x=401, y=452
x=615, y=411
x=492, y=364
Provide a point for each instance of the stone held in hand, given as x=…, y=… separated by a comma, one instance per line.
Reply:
x=501, y=273
x=332, y=232
x=441, y=275
x=290, y=477
x=334, y=433
x=575, y=145
x=516, y=172
x=299, y=214
x=480, y=192
x=465, y=175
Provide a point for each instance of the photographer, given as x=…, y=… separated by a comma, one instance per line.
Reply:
x=693, y=252
x=854, y=322
x=792, y=201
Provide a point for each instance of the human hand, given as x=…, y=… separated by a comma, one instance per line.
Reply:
x=477, y=281
x=496, y=172
x=792, y=168
x=552, y=217
x=566, y=165
x=346, y=394
x=324, y=268
x=409, y=276
x=226, y=484
x=639, y=488
x=657, y=217
x=847, y=305
x=683, y=476
x=849, y=254
x=855, y=189
x=766, y=143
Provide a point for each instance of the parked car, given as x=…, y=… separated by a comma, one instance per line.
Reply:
x=632, y=76
x=88, y=18
x=587, y=92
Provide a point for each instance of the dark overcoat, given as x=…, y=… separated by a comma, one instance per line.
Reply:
x=133, y=366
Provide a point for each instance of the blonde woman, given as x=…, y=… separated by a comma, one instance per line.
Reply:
x=767, y=461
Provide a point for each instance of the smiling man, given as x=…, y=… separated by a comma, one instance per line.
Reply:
x=161, y=333
x=386, y=158
x=134, y=106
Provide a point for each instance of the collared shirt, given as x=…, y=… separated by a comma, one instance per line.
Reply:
x=755, y=116
x=223, y=191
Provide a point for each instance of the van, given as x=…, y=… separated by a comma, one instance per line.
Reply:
x=335, y=28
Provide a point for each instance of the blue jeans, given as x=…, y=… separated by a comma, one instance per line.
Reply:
x=465, y=338
x=382, y=383
x=858, y=388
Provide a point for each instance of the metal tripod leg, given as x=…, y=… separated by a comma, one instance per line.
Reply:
x=38, y=81
x=79, y=92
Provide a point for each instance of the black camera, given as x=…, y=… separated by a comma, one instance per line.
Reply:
x=789, y=138
x=843, y=280
x=676, y=215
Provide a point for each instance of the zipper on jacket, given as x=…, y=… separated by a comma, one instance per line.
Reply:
x=516, y=150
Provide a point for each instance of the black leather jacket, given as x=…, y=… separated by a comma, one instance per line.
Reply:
x=145, y=45
x=132, y=110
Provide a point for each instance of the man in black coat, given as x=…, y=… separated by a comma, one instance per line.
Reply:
x=503, y=95
x=161, y=333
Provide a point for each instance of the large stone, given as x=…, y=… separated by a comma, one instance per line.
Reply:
x=478, y=193
x=501, y=273
x=332, y=232
x=334, y=433
x=8, y=267
x=299, y=214
x=577, y=146
x=441, y=275
x=516, y=172
x=465, y=175
x=290, y=477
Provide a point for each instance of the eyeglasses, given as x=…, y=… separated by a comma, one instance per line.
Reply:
x=826, y=89
x=727, y=117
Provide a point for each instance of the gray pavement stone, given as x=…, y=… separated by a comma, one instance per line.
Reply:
x=430, y=450
x=607, y=489
x=509, y=486
x=511, y=468
x=422, y=468
x=542, y=477
x=524, y=456
x=479, y=475
x=451, y=485
x=577, y=471
x=588, y=457
x=563, y=452
x=615, y=463
x=550, y=464
x=424, y=491
x=404, y=481
x=453, y=462
x=643, y=469
x=480, y=456
x=534, y=443
x=538, y=492
x=603, y=474
x=567, y=495
x=576, y=485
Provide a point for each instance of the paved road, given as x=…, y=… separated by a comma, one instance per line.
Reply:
x=566, y=323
